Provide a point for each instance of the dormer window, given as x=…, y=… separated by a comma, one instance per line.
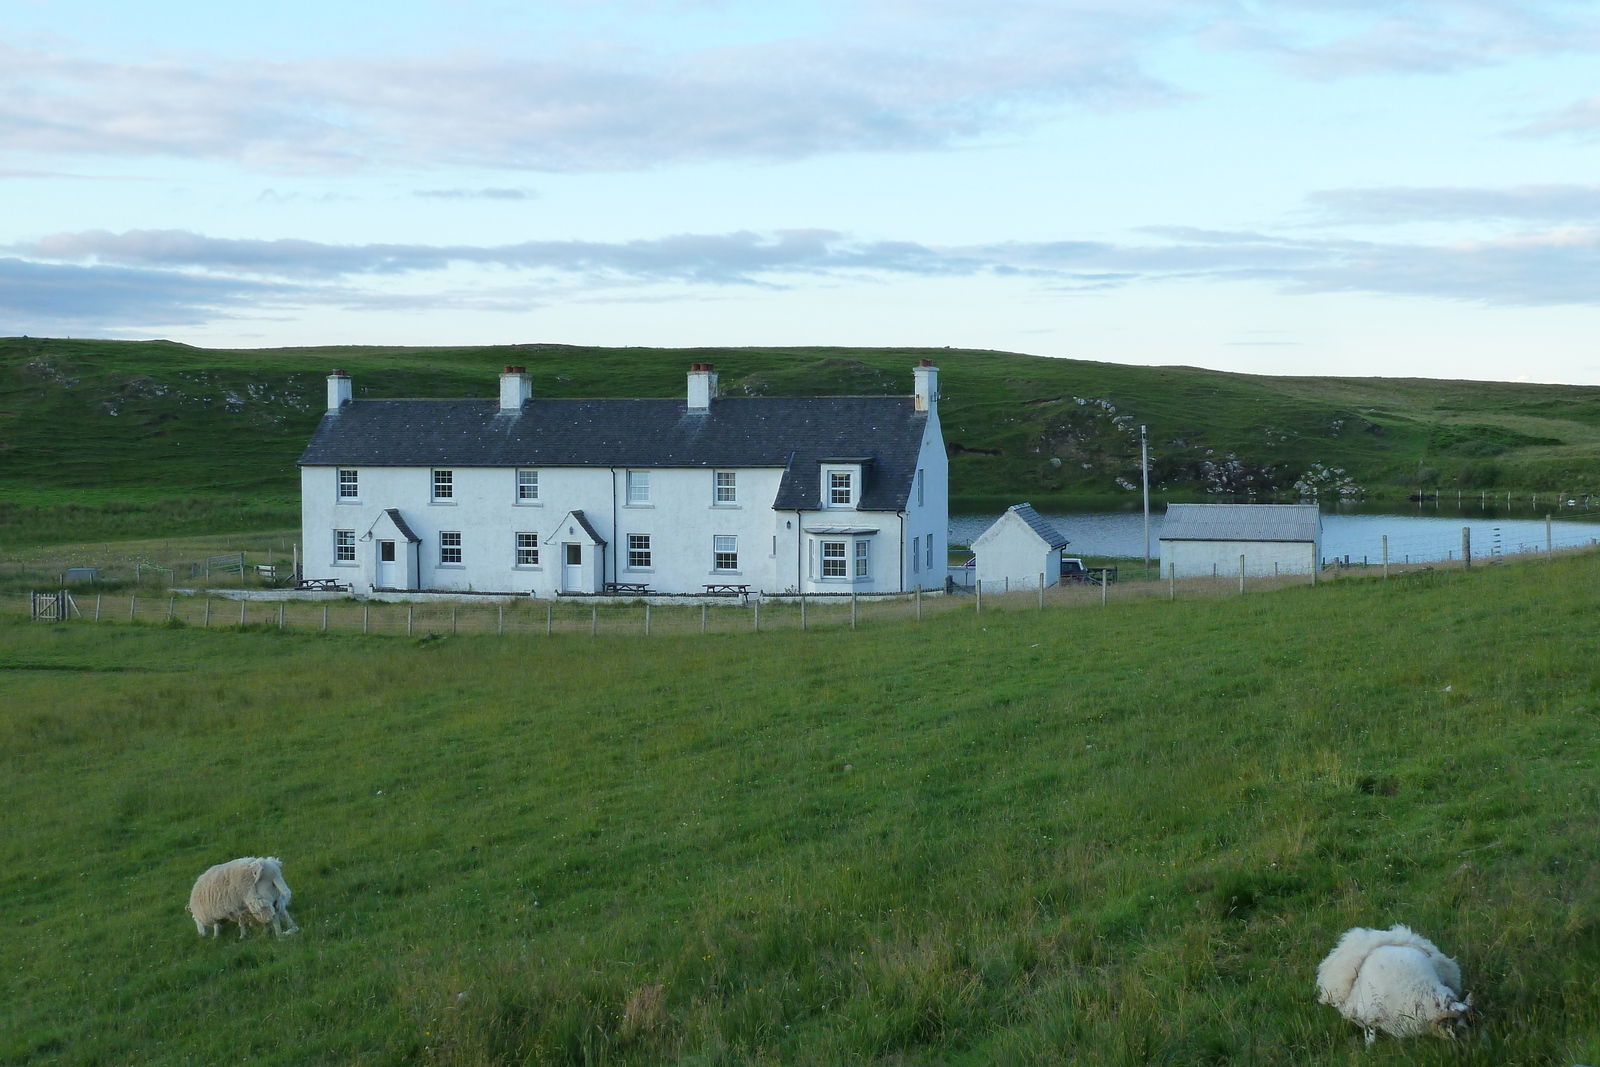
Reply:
x=840, y=492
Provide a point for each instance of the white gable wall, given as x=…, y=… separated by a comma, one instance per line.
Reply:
x=1012, y=555
x=930, y=517
x=1196, y=559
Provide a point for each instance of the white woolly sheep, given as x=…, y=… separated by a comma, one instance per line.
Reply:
x=248, y=891
x=1393, y=980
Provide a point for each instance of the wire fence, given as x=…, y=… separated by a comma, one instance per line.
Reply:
x=576, y=615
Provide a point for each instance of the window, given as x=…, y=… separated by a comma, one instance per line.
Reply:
x=638, y=487
x=839, y=488
x=638, y=550
x=916, y=554
x=919, y=487
x=862, y=548
x=727, y=487
x=444, y=485
x=527, y=550
x=930, y=552
x=725, y=553
x=344, y=545
x=527, y=486
x=349, y=484
x=833, y=564
x=450, y=546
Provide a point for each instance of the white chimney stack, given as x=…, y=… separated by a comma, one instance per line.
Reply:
x=926, y=376
x=338, y=390
x=702, y=386
x=515, y=388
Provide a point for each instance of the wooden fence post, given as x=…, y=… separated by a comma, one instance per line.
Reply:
x=1041, y=590
x=324, y=617
x=594, y=620
x=758, y=613
x=1466, y=548
x=977, y=608
x=97, y=598
x=501, y=627
x=1105, y=584
x=172, y=606
x=1386, y=555
x=703, y=612
x=919, y=603
x=852, y=609
x=550, y=618
x=1172, y=581
x=243, y=603
x=647, y=620
x=208, y=613
x=133, y=602
x=411, y=614
x=803, y=611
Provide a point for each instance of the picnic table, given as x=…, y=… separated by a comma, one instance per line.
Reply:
x=635, y=588
x=325, y=585
x=727, y=589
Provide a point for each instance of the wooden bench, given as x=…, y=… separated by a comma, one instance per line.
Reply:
x=634, y=588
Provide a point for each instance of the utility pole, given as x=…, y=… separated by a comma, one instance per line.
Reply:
x=1144, y=471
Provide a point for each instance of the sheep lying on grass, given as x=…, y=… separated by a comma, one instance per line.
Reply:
x=248, y=891
x=1393, y=980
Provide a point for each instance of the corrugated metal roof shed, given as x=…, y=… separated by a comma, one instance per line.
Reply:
x=1241, y=522
x=1051, y=535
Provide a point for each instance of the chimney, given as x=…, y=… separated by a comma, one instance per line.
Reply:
x=515, y=389
x=926, y=376
x=702, y=386
x=338, y=390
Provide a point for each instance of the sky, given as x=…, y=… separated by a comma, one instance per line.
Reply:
x=1363, y=187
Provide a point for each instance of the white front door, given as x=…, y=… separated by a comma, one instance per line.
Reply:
x=572, y=568
x=386, y=565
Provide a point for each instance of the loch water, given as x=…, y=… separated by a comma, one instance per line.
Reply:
x=1424, y=531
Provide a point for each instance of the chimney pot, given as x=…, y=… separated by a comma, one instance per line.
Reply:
x=925, y=363
x=515, y=370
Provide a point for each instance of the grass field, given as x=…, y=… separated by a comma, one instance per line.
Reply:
x=1102, y=836
x=102, y=439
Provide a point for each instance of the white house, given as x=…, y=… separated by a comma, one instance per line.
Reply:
x=1017, y=549
x=527, y=495
x=1200, y=540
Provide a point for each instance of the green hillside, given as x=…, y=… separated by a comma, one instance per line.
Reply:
x=136, y=423
x=1096, y=836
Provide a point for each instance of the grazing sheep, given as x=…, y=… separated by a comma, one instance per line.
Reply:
x=248, y=891
x=1393, y=980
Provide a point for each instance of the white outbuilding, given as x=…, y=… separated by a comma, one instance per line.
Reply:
x=1205, y=540
x=1018, y=548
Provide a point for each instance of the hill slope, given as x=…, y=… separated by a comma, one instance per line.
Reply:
x=1103, y=836
x=91, y=421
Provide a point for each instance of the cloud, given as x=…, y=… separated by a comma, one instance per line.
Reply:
x=1582, y=119
x=1554, y=267
x=44, y=296
x=476, y=194
x=882, y=76
x=1400, y=204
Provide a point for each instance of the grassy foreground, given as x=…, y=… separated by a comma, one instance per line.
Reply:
x=1104, y=836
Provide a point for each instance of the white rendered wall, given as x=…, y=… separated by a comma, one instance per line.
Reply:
x=1195, y=559
x=1011, y=556
x=932, y=516
x=680, y=519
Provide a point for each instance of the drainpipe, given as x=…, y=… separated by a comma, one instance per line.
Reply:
x=902, y=550
x=799, y=560
x=614, y=534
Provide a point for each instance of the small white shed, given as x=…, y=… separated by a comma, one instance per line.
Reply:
x=1018, y=548
x=1202, y=540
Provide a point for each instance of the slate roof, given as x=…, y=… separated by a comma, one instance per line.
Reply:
x=1241, y=522
x=400, y=524
x=793, y=433
x=1052, y=536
